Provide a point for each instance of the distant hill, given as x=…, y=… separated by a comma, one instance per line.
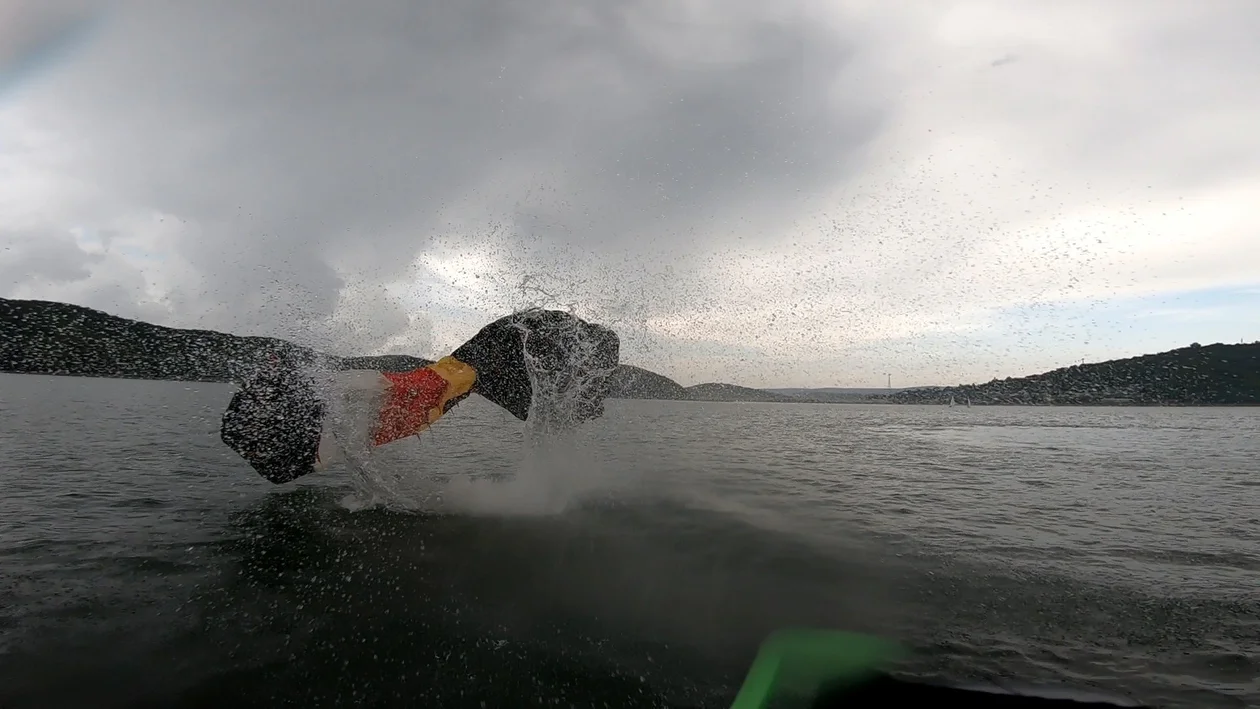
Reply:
x=731, y=392
x=630, y=382
x=838, y=395
x=1196, y=375
x=42, y=337
x=38, y=337
x=386, y=363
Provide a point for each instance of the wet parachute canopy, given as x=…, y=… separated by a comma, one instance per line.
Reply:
x=279, y=420
x=551, y=343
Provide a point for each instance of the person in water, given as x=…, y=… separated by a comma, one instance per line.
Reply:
x=277, y=420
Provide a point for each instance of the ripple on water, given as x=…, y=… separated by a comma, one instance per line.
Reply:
x=1096, y=547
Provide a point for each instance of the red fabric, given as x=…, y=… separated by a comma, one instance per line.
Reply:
x=406, y=410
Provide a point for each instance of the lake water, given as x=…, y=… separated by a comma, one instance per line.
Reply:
x=143, y=564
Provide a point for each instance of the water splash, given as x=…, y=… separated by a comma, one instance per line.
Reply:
x=556, y=467
x=352, y=400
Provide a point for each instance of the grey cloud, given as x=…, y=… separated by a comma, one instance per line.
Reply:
x=313, y=149
x=294, y=136
x=1170, y=110
x=42, y=257
x=51, y=265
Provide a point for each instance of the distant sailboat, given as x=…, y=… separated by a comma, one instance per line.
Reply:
x=951, y=399
x=969, y=402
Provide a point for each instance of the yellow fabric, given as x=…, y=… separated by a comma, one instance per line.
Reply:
x=459, y=377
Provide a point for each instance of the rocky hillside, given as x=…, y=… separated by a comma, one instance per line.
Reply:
x=1196, y=375
x=630, y=382
x=41, y=337
x=731, y=392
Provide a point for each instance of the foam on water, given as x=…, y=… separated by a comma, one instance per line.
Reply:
x=557, y=466
x=352, y=400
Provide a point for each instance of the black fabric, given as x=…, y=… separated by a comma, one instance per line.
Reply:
x=886, y=691
x=274, y=421
x=561, y=344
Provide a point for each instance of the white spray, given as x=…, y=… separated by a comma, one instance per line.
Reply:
x=556, y=468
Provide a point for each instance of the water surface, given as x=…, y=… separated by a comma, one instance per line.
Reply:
x=143, y=564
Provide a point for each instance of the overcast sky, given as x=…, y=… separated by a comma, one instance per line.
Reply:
x=771, y=194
